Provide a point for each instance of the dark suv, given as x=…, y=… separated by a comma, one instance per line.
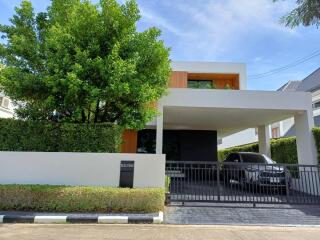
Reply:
x=255, y=168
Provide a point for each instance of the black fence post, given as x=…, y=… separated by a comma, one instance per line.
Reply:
x=287, y=185
x=218, y=180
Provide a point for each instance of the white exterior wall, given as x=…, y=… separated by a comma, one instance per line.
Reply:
x=264, y=140
x=233, y=99
x=244, y=137
x=286, y=125
x=86, y=169
x=306, y=149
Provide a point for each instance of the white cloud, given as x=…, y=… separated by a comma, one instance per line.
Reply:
x=161, y=22
x=213, y=26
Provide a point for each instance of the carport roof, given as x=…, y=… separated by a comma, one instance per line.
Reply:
x=229, y=111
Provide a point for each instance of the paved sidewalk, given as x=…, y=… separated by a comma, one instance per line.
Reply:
x=154, y=232
x=237, y=214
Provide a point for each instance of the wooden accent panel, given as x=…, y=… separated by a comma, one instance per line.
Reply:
x=130, y=141
x=178, y=79
x=220, y=80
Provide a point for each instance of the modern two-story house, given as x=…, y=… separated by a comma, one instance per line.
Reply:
x=208, y=101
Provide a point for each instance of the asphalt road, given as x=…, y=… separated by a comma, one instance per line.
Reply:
x=155, y=232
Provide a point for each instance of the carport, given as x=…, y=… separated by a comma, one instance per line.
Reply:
x=229, y=111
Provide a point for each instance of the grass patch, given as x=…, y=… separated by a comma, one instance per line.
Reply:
x=80, y=199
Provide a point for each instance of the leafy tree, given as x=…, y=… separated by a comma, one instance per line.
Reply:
x=306, y=13
x=83, y=62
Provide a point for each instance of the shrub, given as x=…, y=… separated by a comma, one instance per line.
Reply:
x=79, y=199
x=18, y=135
x=284, y=150
x=316, y=134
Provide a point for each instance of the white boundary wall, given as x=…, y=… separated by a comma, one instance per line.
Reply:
x=87, y=169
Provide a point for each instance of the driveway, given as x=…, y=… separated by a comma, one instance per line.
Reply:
x=154, y=232
x=242, y=214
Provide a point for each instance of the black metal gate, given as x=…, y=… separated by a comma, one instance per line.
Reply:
x=243, y=183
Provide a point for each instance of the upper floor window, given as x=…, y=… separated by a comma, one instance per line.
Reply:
x=202, y=84
x=316, y=105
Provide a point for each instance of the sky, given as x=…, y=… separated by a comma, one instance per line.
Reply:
x=246, y=31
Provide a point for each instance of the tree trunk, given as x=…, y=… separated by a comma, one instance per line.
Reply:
x=89, y=113
x=97, y=112
x=83, y=116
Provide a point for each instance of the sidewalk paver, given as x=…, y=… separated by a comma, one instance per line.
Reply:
x=243, y=214
x=154, y=232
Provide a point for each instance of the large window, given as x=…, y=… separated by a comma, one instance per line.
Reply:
x=202, y=84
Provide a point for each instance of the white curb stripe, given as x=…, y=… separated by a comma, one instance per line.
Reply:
x=1, y=218
x=113, y=219
x=50, y=219
x=158, y=219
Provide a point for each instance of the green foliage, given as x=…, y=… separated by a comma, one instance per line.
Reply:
x=82, y=62
x=79, y=199
x=167, y=183
x=201, y=84
x=18, y=135
x=306, y=13
x=227, y=86
x=283, y=150
x=316, y=134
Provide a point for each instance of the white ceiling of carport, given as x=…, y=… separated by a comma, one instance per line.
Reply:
x=225, y=121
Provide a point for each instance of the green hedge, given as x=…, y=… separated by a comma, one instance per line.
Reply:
x=316, y=134
x=18, y=135
x=80, y=199
x=283, y=150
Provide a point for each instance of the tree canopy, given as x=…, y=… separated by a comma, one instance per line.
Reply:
x=306, y=13
x=83, y=62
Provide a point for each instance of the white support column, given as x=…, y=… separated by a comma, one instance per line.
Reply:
x=264, y=140
x=159, y=137
x=303, y=123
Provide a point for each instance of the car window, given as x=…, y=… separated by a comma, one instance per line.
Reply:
x=269, y=160
x=233, y=157
x=253, y=158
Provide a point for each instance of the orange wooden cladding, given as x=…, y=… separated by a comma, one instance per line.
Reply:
x=180, y=79
x=130, y=141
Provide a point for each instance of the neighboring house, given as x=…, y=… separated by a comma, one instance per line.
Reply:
x=6, y=107
x=310, y=84
x=208, y=101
